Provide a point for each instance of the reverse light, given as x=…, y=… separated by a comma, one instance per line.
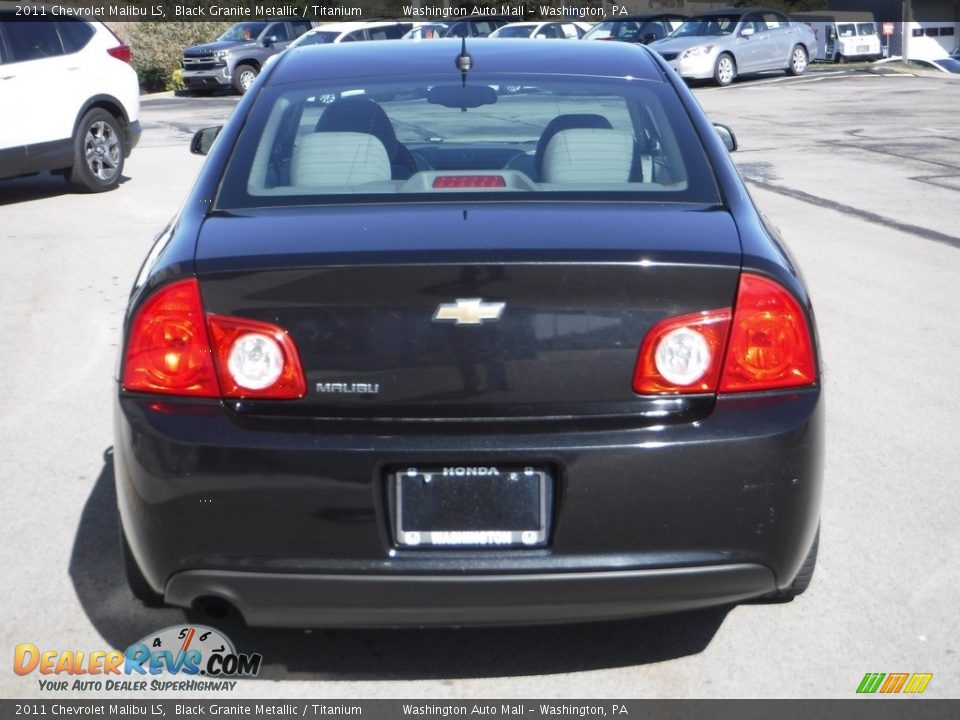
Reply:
x=174, y=348
x=682, y=354
x=255, y=359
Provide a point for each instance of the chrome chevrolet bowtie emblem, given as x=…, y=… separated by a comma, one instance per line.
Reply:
x=469, y=311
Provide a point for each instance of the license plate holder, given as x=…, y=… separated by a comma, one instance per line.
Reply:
x=471, y=507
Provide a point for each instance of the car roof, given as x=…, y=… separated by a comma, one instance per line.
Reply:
x=735, y=11
x=400, y=57
x=644, y=17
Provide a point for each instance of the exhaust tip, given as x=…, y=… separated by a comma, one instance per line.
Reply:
x=216, y=608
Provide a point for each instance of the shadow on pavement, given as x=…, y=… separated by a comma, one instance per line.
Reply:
x=36, y=187
x=407, y=654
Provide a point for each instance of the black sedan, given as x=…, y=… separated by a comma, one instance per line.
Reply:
x=416, y=352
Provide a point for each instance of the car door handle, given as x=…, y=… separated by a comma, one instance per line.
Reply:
x=71, y=69
x=7, y=77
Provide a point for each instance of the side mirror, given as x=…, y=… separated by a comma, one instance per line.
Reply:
x=649, y=38
x=203, y=140
x=268, y=41
x=727, y=136
x=746, y=32
x=541, y=36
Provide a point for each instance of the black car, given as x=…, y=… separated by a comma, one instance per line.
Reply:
x=415, y=352
x=637, y=28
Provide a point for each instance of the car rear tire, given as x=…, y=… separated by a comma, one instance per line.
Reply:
x=135, y=580
x=839, y=59
x=798, y=61
x=243, y=77
x=725, y=71
x=99, y=149
x=802, y=581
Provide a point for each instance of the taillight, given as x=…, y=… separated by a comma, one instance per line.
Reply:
x=255, y=359
x=121, y=52
x=175, y=349
x=765, y=346
x=770, y=344
x=682, y=354
x=168, y=350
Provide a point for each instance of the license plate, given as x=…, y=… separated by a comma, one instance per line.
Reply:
x=468, y=506
x=863, y=48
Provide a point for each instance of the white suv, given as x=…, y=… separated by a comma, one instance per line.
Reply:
x=71, y=101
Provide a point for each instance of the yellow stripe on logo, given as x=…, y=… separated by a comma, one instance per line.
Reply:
x=918, y=682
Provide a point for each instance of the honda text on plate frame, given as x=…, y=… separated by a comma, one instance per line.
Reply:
x=455, y=333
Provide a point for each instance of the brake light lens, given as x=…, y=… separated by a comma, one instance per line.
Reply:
x=770, y=345
x=168, y=350
x=255, y=359
x=174, y=348
x=682, y=354
x=121, y=52
x=458, y=182
x=765, y=345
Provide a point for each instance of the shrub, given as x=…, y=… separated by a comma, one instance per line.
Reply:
x=157, y=47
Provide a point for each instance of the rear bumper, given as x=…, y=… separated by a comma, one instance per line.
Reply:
x=134, y=131
x=291, y=520
x=281, y=600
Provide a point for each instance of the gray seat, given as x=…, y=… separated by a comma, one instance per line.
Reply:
x=339, y=159
x=587, y=155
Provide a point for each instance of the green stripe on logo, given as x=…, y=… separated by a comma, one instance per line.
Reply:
x=870, y=682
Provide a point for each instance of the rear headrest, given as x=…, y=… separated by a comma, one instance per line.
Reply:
x=357, y=114
x=568, y=121
x=588, y=156
x=339, y=158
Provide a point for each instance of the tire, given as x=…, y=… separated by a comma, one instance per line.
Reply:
x=99, y=149
x=839, y=59
x=802, y=581
x=725, y=71
x=798, y=62
x=135, y=580
x=243, y=77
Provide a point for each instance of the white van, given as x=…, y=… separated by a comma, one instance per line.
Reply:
x=843, y=36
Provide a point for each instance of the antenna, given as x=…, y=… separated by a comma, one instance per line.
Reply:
x=464, y=62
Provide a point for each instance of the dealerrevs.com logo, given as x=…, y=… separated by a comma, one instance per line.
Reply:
x=177, y=658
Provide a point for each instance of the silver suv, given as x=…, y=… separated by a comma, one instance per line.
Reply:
x=234, y=59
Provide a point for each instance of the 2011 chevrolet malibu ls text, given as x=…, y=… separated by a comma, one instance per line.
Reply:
x=418, y=352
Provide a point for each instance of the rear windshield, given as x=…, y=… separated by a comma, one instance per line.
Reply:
x=517, y=137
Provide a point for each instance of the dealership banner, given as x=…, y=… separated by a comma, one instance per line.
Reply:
x=530, y=709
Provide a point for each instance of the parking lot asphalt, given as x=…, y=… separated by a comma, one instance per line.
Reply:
x=860, y=172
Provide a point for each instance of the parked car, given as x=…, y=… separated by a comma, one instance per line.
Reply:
x=426, y=31
x=723, y=44
x=479, y=26
x=540, y=31
x=70, y=101
x=944, y=64
x=332, y=33
x=637, y=28
x=235, y=58
x=455, y=357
